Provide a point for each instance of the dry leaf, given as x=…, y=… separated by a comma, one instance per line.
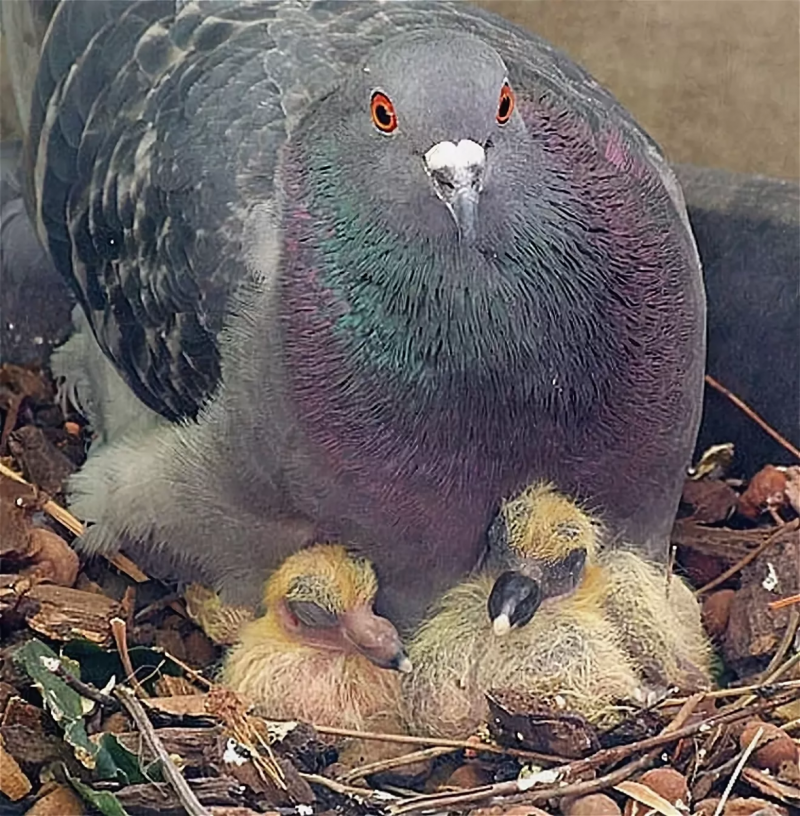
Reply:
x=767, y=489
x=647, y=796
x=53, y=559
x=793, y=486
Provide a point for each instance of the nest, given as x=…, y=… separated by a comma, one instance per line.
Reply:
x=109, y=701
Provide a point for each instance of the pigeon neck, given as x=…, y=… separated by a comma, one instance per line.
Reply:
x=440, y=321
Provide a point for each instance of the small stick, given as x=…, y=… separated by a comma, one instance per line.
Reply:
x=784, y=602
x=171, y=773
x=119, y=630
x=607, y=756
x=735, y=691
x=84, y=689
x=193, y=673
x=786, y=642
x=762, y=423
x=768, y=680
x=337, y=787
x=394, y=762
x=737, y=771
x=751, y=556
x=436, y=742
x=513, y=787
x=76, y=527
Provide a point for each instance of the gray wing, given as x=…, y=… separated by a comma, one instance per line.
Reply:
x=142, y=121
x=154, y=128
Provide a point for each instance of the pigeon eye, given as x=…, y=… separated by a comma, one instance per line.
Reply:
x=505, y=106
x=383, y=115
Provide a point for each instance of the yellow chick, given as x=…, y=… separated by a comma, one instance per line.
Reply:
x=555, y=615
x=320, y=653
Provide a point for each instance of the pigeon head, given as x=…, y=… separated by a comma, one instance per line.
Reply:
x=544, y=543
x=427, y=127
x=323, y=597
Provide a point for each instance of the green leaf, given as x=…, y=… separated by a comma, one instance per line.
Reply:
x=99, y=665
x=127, y=769
x=104, y=801
x=65, y=705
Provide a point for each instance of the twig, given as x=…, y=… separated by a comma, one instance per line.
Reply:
x=768, y=680
x=786, y=642
x=734, y=691
x=436, y=742
x=346, y=790
x=505, y=789
x=784, y=602
x=171, y=773
x=394, y=762
x=762, y=423
x=76, y=527
x=193, y=673
x=84, y=689
x=607, y=756
x=737, y=771
x=119, y=630
x=751, y=556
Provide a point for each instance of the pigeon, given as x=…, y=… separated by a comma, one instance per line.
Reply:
x=583, y=634
x=319, y=653
x=363, y=269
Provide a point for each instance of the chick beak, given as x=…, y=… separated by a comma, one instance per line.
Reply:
x=456, y=172
x=513, y=601
x=375, y=638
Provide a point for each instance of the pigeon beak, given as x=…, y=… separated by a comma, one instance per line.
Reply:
x=375, y=638
x=513, y=601
x=456, y=172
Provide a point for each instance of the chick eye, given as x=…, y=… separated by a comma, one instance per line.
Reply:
x=505, y=107
x=383, y=114
x=312, y=614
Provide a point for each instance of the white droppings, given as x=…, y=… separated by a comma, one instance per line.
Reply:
x=770, y=583
x=545, y=777
x=233, y=754
x=459, y=157
x=304, y=810
x=52, y=664
x=38, y=340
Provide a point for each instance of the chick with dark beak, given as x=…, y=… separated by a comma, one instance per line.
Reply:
x=568, y=620
x=319, y=653
x=543, y=541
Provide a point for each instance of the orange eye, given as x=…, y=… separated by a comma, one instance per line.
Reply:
x=505, y=107
x=383, y=116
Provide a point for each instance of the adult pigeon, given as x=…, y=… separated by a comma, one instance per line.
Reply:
x=372, y=267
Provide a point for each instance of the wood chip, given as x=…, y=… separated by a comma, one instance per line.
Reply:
x=189, y=705
x=13, y=782
x=63, y=614
x=61, y=801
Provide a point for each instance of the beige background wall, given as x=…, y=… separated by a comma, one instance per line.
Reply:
x=716, y=82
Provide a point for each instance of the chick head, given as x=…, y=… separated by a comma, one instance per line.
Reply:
x=541, y=543
x=322, y=597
